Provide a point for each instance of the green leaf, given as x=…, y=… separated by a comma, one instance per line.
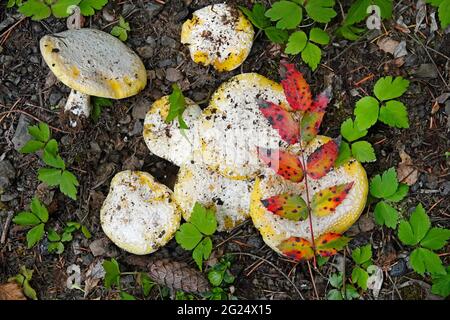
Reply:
x=68, y=184
x=319, y=36
x=215, y=277
x=363, y=151
x=362, y=255
x=32, y=146
x=41, y=132
x=276, y=35
x=34, y=235
x=320, y=10
x=28, y=290
x=357, y=12
x=423, y=260
x=256, y=16
x=360, y=276
x=351, y=292
x=420, y=223
x=401, y=192
x=336, y=280
x=25, y=218
x=54, y=161
x=10, y=3
x=350, y=132
x=85, y=232
x=350, y=32
x=383, y=186
x=366, y=112
x=312, y=55
x=436, y=238
x=126, y=296
x=123, y=24
x=66, y=237
x=334, y=294
x=388, y=88
x=405, y=233
x=385, y=7
x=228, y=277
x=188, y=236
x=384, y=214
x=441, y=284
x=39, y=209
x=177, y=106
x=344, y=154
x=146, y=283
x=60, y=8
x=394, y=114
x=321, y=260
x=444, y=13
x=50, y=176
x=87, y=6
x=112, y=276
x=119, y=32
x=202, y=251
x=287, y=13
x=296, y=43
x=97, y=105
x=56, y=247
x=53, y=235
x=204, y=219
x=35, y=9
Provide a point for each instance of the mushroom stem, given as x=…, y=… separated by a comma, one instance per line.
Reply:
x=79, y=104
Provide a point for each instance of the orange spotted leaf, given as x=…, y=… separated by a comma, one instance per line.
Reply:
x=330, y=243
x=322, y=160
x=283, y=163
x=326, y=201
x=297, y=248
x=281, y=120
x=310, y=124
x=295, y=87
x=288, y=206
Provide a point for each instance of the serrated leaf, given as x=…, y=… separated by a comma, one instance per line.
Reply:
x=334, y=294
x=325, y=201
x=388, y=88
x=281, y=120
x=287, y=14
x=401, y=193
x=112, y=273
x=405, y=233
x=177, y=104
x=336, y=280
x=35, y=9
x=53, y=235
x=319, y=36
x=32, y=146
x=385, y=7
x=383, y=186
x=87, y=6
x=56, y=247
x=188, y=236
x=60, y=7
x=283, y=163
x=25, y=218
x=276, y=35
x=50, y=176
x=119, y=32
x=350, y=32
x=296, y=89
x=34, y=235
x=66, y=237
x=444, y=13
x=39, y=210
x=256, y=16
x=296, y=248
x=41, y=132
x=330, y=243
x=68, y=184
x=202, y=252
x=344, y=154
x=320, y=162
x=288, y=206
x=394, y=114
x=215, y=277
x=357, y=12
x=420, y=223
x=362, y=255
x=146, y=282
x=363, y=151
x=441, y=284
x=366, y=112
x=384, y=214
x=312, y=55
x=360, y=276
x=423, y=260
x=204, y=219
x=296, y=42
x=320, y=10
x=350, y=131
x=435, y=239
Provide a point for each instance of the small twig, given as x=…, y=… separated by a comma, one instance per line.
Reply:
x=6, y=227
x=312, y=280
x=31, y=116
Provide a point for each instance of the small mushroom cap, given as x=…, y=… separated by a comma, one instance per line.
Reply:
x=94, y=62
x=231, y=198
x=275, y=229
x=232, y=126
x=218, y=35
x=139, y=214
x=167, y=140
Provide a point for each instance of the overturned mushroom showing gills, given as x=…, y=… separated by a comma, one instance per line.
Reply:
x=139, y=214
x=218, y=35
x=92, y=63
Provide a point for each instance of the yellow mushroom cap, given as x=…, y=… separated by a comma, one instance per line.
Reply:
x=218, y=35
x=232, y=126
x=167, y=140
x=231, y=198
x=275, y=229
x=94, y=62
x=139, y=214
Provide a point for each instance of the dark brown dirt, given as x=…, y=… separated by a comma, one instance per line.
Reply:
x=115, y=143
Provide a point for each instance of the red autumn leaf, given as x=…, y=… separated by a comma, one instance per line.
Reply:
x=322, y=160
x=312, y=119
x=330, y=243
x=295, y=87
x=297, y=248
x=283, y=163
x=281, y=120
x=320, y=103
x=288, y=206
x=326, y=201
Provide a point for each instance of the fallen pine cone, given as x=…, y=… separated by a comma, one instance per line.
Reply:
x=173, y=274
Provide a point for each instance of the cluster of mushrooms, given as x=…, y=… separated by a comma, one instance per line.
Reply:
x=217, y=155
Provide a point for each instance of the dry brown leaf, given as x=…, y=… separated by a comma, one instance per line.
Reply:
x=388, y=45
x=11, y=291
x=405, y=171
